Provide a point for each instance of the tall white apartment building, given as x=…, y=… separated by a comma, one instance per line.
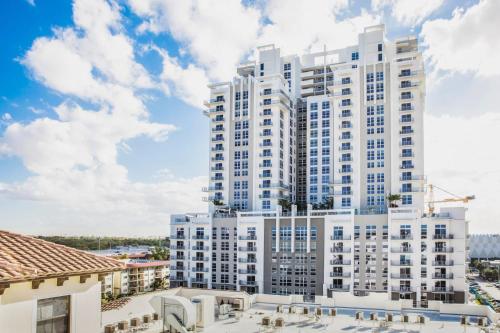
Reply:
x=334, y=133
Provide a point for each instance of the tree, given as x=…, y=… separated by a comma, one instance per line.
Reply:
x=159, y=253
x=285, y=204
x=392, y=199
x=217, y=202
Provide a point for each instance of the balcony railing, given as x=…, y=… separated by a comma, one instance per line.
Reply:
x=403, y=289
x=200, y=248
x=177, y=247
x=178, y=237
x=401, y=276
x=177, y=257
x=340, y=262
x=402, y=236
x=401, y=263
x=442, y=236
x=442, y=289
x=401, y=250
x=348, y=170
x=340, y=237
x=201, y=281
x=443, y=263
x=200, y=237
x=247, y=260
x=200, y=269
x=247, y=249
x=178, y=268
x=340, y=274
x=248, y=283
x=199, y=259
x=447, y=249
x=178, y=278
x=337, y=287
x=340, y=250
x=341, y=193
x=247, y=271
x=440, y=276
x=410, y=178
x=247, y=237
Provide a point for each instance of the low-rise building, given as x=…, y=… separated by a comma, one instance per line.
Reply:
x=45, y=287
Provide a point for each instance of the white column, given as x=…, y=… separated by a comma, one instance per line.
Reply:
x=292, y=223
x=309, y=208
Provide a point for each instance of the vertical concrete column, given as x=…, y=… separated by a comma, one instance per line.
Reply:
x=278, y=211
x=292, y=223
x=309, y=209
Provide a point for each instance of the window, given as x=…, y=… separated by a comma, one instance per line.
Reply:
x=354, y=56
x=53, y=315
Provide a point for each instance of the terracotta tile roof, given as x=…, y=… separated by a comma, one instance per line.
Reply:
x=24, y=258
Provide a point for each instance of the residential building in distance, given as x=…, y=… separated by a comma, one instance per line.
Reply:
x=484, y=246
x=46, y=287
x=304, y=154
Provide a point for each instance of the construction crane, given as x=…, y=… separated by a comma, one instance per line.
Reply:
x=456, y=198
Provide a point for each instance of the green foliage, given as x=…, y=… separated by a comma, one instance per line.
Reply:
x=392, y=198
x=159, y=253
x=92, y=243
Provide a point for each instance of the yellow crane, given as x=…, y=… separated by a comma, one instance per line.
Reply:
x=456, y=198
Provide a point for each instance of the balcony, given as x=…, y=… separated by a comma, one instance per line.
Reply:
x=266, y=134
x=406, y=109
x=247, y=260
x=345, y=115
x=345, y=170
x=266, y=155
x=412, y=190
x=247, y=249
x=340, y=274
x=341, y=182
x=200, y=237
x=220, y=168
x=217, y=148
x=199, y=259
x=403, y=289
x=411, y=178
x=345, y=105
x=342, y=193
x=447, y=249
x=406, y=144
x=216, y=159
x=340, y=250
x=406, y=120
x=247, y=271
x=439, y=276
x=340, y=237
x=443, y=263
x=220, y=99
x=200, y=269
x=247, y=237
x=247, y=283
x=401, y=250
x=267, y=165
x=177, y=257
x=407, y=166
x=268, y=144
x=199, y=248
x=218, y=129
x=408, y=74
x=178, y=268
x=401, y=236
x=401, y=276
x=265, y=175
x=212, y=188
x=178, y=278
x=177, y=247
x=345, y=148
x=442, y=289
x=345, y=159
x=217, y=120
x=267, y=123
x=345, y=126
x=408, y=85
x=442, y=236
x=178, y=236
x=410, y=131
x=345, y=137
x=200, y=281
x=336, y=287
x=401, y=263
x=340, y=262
x=406, y=97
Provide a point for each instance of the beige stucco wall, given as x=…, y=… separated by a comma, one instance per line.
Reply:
x=18, y=304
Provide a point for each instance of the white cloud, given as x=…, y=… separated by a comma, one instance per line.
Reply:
x=190, y=84
x=73, y=159
x=6, y=117
x=300, y=26
x=460, y=159
x=467, y=42
x=217, y=33
x=31, y=2
x=409, y=12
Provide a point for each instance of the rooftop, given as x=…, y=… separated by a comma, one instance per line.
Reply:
x=25, y=258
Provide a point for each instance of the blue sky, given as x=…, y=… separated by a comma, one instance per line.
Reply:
x=101, y=129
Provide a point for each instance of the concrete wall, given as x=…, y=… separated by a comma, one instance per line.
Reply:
x=18, y=304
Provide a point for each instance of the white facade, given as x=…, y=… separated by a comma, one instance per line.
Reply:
x=19, y=304
x=342, y=124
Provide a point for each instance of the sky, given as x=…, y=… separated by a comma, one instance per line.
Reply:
x=101, y=124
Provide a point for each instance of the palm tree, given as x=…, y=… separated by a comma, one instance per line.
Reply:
x=285, y=204
x=392, y=198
